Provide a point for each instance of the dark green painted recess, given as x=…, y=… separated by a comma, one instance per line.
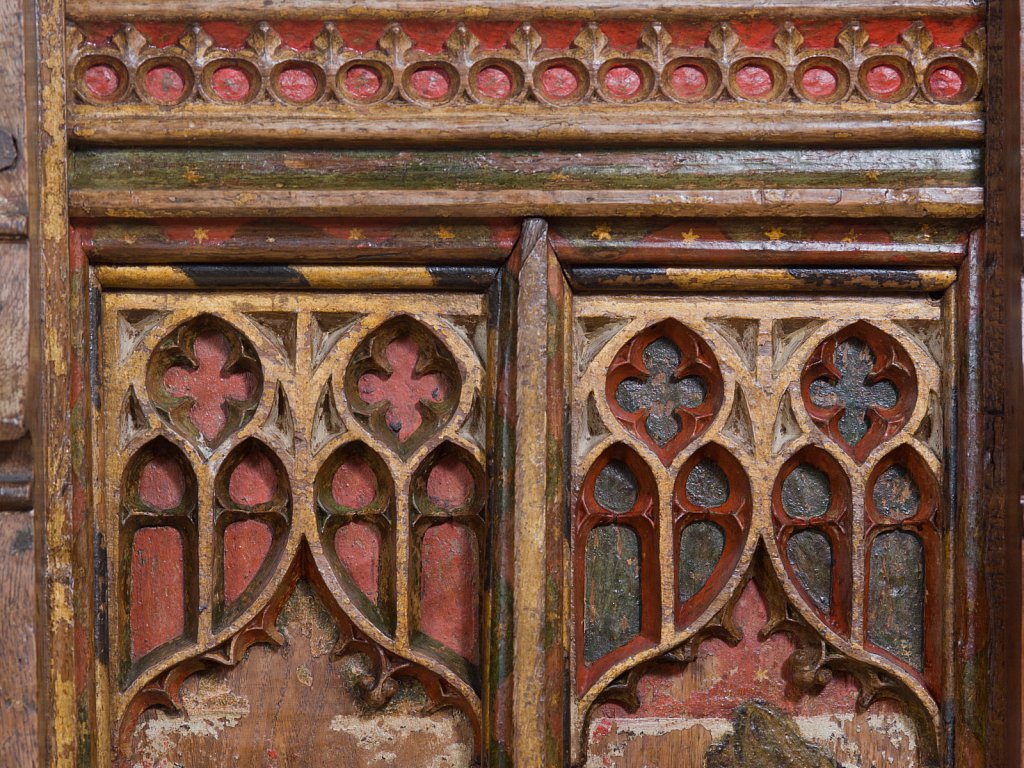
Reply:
x=896, y=596
x=611, y=615
x=806, y=492
x=616, y=488
x=810, y=554
x=701, y=545
x=895, y=494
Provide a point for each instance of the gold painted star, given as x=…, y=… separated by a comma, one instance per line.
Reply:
x=851, y=237
x=872, y=174
x=689, y=236
x=775, y=234
x=199, y=234
x=926, y=232
x=355, y=234
x=445, y=234
x=192, y=175
x=761, y=675
x=602, y=232
x=559, y=176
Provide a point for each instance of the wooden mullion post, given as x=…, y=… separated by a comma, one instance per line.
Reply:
x=533, y=412
x=987, y=571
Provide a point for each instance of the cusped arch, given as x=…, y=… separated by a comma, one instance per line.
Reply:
x=448, y=496
x=859, y=387
x=903, y=555
x=158, y=539
x=355, y=508
x=252, y=514
x=712, y=507
x=812, y=510
x=615, y=563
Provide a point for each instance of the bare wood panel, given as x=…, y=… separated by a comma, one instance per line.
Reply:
x=643, y=9
x=551, y=170
x=940, y=202
x=13, y=158
x=720, y=125
x=14, y=378
x=18, y=745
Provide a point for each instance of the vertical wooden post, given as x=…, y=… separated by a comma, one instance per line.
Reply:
x=51, y=360
x=986, y=730
x=533, y=408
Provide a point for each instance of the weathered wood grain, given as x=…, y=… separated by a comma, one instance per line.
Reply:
x=552, y=170
x=249, y=10
x=939, y=202
x=18, y=690
x=799, y=279
x=13, y=155
x=720, y=124
x=14, y=332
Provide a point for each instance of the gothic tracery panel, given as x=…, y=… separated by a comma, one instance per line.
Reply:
x=760, y=448
x=318, y=445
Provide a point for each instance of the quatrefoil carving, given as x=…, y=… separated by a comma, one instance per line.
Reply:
x=205, y=380
x=859, y=386
x=665, y=387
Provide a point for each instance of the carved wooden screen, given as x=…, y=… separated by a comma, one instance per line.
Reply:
x=533, y=386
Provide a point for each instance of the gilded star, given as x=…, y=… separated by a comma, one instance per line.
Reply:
x=761, y=675
x=445, y=234
x=851, y=237
x=872, y=174
x=602, y=232
x=199, y=234
x=775, y=234
x=689, y=236
x=192, y=175
x=355, y=234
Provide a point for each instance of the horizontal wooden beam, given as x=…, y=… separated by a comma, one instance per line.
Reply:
x=276, y=276
x=652, y=125
x=245, y=10
x=674, y=279
x=520, y=170
x=936, y=202
x=758, y=242
x=306, y=241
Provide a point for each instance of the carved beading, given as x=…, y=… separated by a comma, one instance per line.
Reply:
x=331, y=64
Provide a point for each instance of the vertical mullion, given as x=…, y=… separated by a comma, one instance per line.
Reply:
x=534, y=415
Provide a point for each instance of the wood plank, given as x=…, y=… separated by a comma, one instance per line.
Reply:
x=14, y=287
x=521, y=170
x=256, y=10
x=937, y=202
x=650, y=125
x=13, y=160
x=798, y=279
x=18, y=745
x=540, y=549
x=259, y=276
x=308, y=241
